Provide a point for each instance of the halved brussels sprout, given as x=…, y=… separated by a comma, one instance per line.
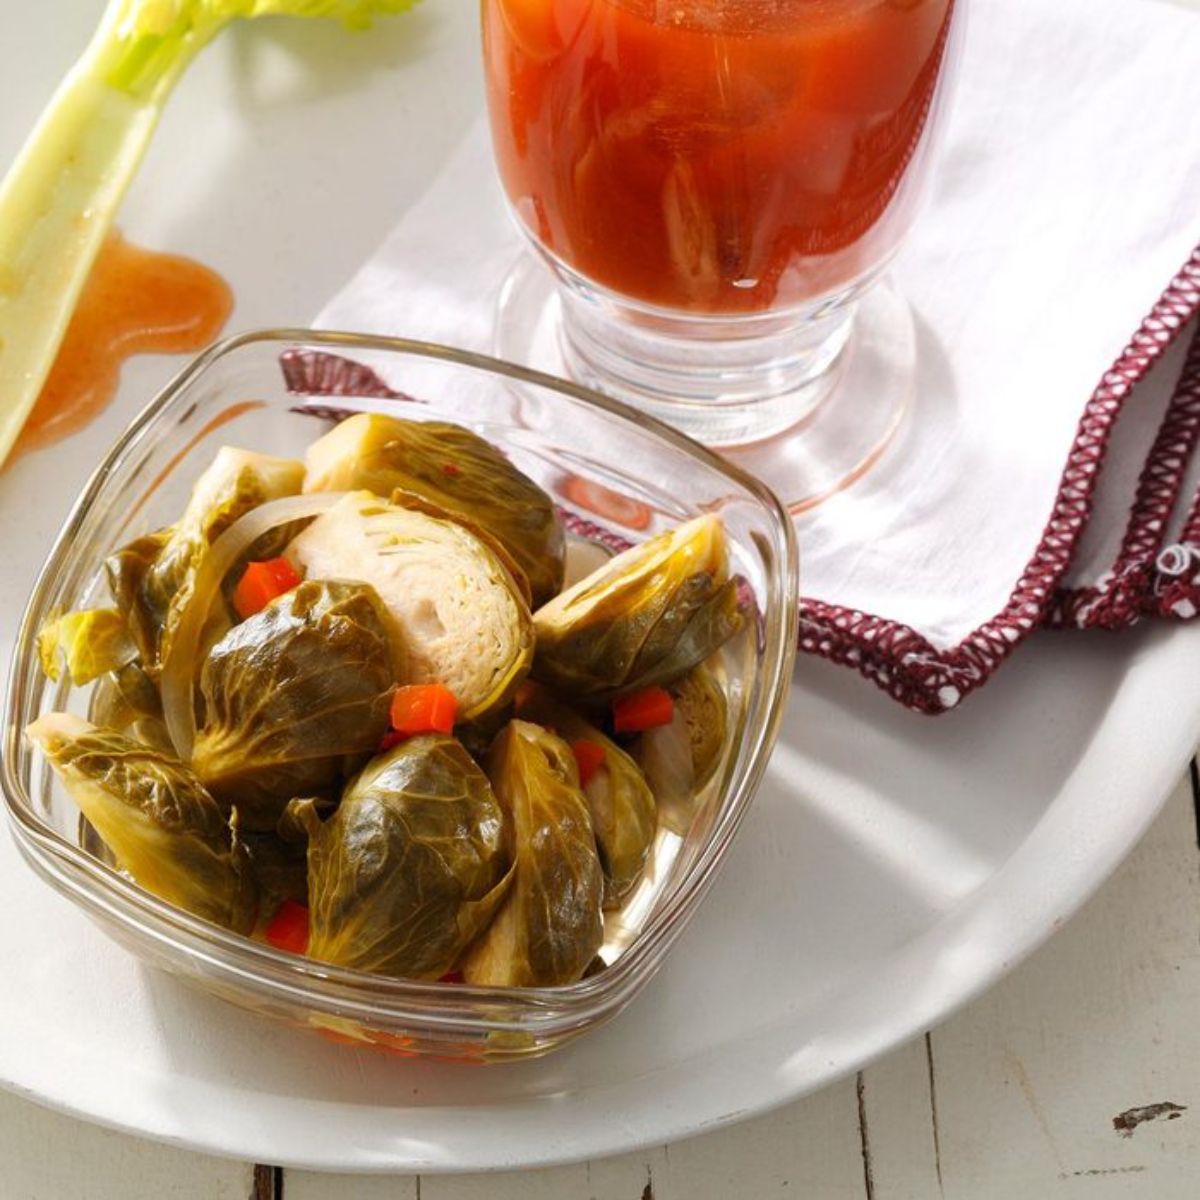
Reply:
x=458, y=471
x=151, y=578
x=550, y=925
x=89, y=643
x=460, y=619
x=158, y=820
x=624, y=815
x=411, y=866
x=679, y=759
x=646, y=617
x=291, y=695
x=403, y=499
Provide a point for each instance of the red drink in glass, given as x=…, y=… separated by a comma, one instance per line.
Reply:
x=716, y=157
x=714, y=184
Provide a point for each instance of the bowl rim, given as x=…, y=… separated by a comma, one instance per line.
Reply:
x=547, y=1010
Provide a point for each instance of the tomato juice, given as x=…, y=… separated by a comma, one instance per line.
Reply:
x=714, y=156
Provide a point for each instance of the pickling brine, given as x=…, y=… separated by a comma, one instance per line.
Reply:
x=715, y=156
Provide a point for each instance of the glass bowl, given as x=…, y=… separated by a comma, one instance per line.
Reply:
x=618, y=477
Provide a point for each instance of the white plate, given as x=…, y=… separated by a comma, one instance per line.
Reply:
x=892, y=867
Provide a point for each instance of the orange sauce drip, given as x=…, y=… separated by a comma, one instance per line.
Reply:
x=135, y=302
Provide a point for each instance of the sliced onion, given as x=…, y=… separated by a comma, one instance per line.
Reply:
x=665, y=756
x=180, y=668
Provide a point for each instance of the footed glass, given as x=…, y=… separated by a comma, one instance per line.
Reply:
x=714, y=189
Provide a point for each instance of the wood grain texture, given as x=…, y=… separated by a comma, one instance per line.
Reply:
x=305, y=1185
x=46, y=1156
x=809, y=1149
x=899, y=1115
x=1101, y=1022
x=267, y=1183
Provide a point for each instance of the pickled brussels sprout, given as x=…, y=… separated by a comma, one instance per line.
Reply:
x=460, y=619
x=128, y=702
x=291, y=695
x=679, y=759
x=159, y=821
x=550, y=925
x=144, y=594
x=459, y=472
x=624, y=815
x=402, y=499
x=323, y=713
x=88, y=643
x=151, y=578
x=279, y=870
x=411, y=866
x=646, y=617
x=700, y=703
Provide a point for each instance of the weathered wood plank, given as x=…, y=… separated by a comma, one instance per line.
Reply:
x=1067, y=1080
x=898, y=1113
x=46, y=1156
x=307, y=1185
x=268, y=1183
x=807, y=1149
x=811, y=1148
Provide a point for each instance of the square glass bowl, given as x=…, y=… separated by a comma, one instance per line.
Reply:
x=618, y=477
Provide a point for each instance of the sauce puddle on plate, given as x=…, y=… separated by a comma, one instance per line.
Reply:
x=135, y=302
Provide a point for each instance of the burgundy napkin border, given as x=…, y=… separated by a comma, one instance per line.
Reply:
x=1146, y=579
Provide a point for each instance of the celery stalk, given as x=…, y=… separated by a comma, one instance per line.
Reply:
x=61, y=194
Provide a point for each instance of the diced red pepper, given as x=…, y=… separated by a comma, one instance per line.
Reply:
x=646, y=709
x=452, y=977
x=589, y=758
x=288, y=929
x=262, y=582
x=423, y=708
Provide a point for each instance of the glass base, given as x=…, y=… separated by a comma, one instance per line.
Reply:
x=806, y=409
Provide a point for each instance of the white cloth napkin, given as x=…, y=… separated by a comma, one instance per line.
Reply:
x=1066, y=197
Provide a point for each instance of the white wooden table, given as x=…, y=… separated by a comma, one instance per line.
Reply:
x=1078, y=1076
